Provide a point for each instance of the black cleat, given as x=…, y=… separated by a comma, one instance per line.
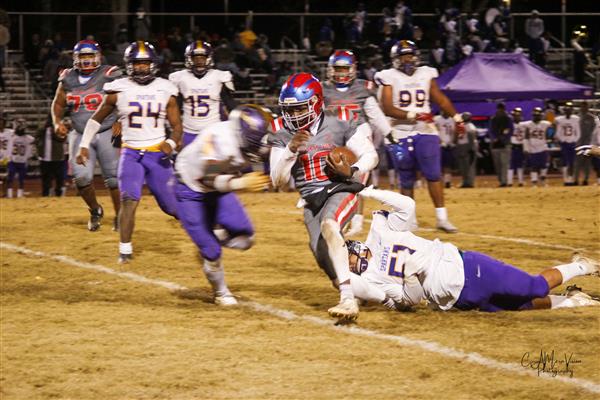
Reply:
x=95, y=219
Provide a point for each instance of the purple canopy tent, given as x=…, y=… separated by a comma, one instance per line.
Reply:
x=481, y=80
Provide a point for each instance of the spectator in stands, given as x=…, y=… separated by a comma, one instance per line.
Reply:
x=248, y=37
x=403, y=20
x=32, y=51
x=176, y=43
x=587, y=123
x=50, y=71
x=500, y=29
x=324, y=45
x=360, y=16
x=387, y=21
x=58, y=44
x=51, y=151
x=500, y=131
x=142, y=25
x=436, y=55
x=578, y=37
x=534, y=28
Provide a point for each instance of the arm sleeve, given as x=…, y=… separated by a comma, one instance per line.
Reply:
x=360, y=143
x=378, y=121
x=281, y=160
x=227, y=98
x=403, y=216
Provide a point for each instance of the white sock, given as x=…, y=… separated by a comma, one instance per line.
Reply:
x=561, y=302
x=19, y=192
x=338, y=252
x=9, y=193
x=441, y=214
x=564, y=174
x=534, y=177
x=392, y=177
x=571, y=270
x=346, y=291
x=509, y=177
x=520, y=174
x=375, y=178
x=447, y=178
x=125, y=248
x=543, y=173
x=214, y=272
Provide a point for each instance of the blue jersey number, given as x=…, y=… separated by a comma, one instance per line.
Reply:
x=139, y=112
x=393, y=270
x=198, y=106
x=406, y=98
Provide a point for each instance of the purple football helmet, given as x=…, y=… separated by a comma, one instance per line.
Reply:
x=198, y=48
x=404, y=64
x=360, y=250
x=253, y=123
x=141, y=52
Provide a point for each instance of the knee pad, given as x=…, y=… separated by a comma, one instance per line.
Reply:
x=82, y=181
x=111, y=183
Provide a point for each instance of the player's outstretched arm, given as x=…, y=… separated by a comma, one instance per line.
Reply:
x=93, y=126
x=402, y=219
x=59, y=103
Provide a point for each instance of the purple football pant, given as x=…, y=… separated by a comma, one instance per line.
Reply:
x=200, y=212
x=538, y=160
x=187, y=138
x=155, y=168
x=16, y=168
x=419, y=152
x=567, y=154
x=491, y=285
x=517, y=157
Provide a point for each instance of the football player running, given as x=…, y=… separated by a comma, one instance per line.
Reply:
x=208, y=172
x=143, y=102
x=395, y=264
x=405, y=94
x=204, y=90
x=79, y=93
x=302, y=140
x=354, y=98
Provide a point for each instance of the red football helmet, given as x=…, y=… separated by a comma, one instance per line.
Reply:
x=301, y=101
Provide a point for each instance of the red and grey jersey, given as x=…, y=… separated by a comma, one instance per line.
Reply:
x=84, y=94
x=308, y=170
x=351, y=100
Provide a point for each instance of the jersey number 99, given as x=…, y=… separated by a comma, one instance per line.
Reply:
x=406, y=98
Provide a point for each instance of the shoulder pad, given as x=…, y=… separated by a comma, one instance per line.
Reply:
x=113, y=72
x=64, y=73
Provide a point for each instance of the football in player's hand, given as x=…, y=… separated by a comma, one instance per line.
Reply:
x=348, y=154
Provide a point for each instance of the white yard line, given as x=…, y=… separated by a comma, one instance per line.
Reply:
x=494, y=237
x=426, y=345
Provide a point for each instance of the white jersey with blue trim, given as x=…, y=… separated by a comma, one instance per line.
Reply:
x=5, y=139
x=21, y=148
x=567, y=129
x=142, y=110
x=201, y=97
x=518, y=135
x=409, y=93
x=402, y=260
x=537, y=141
x=218, y=142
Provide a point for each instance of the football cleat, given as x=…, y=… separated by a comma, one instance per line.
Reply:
x=95, y=219
x=592, y=266
x=125, y=258
x=576, y=295
x=347, y=309
x=446, y=226
x=226, y=300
